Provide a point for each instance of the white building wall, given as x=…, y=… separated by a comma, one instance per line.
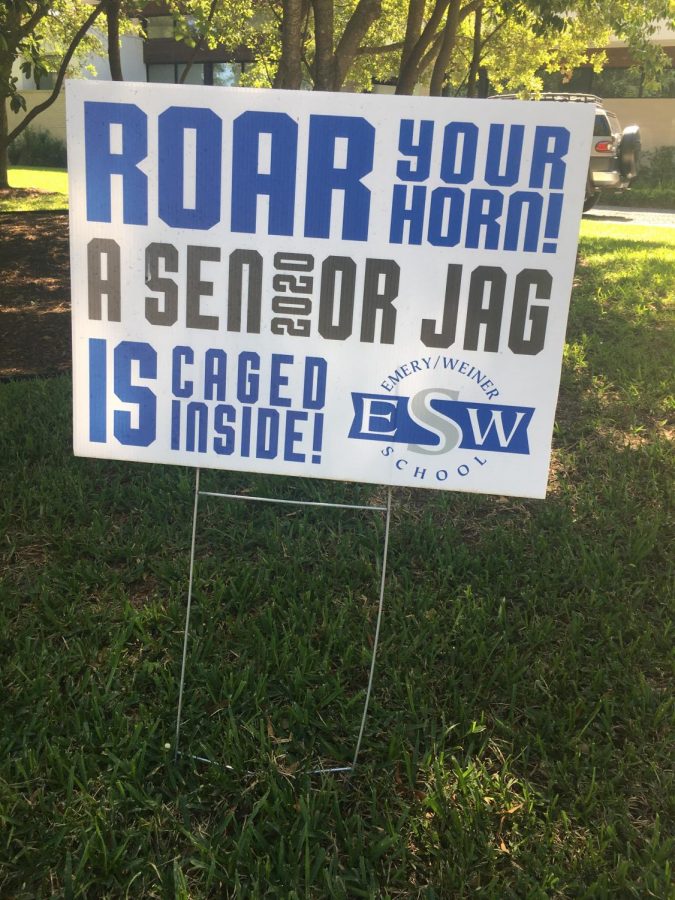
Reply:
x=131, y=57
x=656, y=118
x=53, y=119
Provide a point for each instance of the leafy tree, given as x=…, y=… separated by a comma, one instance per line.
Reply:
x=514, y=50
x=444, y=44
x=50, y=36
x=207, y=24
x=449, y=45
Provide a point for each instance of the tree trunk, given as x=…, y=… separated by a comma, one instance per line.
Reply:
x=4, y=144
x=447, y=46
x=410, y=66
x=113, y=16
x=413, y=28
x=366, y=12
x=9, y=41
x=289, y=71
x=324, y=58
x=475, y=58
x=483, y=82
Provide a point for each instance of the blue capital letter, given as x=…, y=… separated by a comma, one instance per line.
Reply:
x=324, y=177
x=173, y=123
x=102, y=163
x=278, y=182
x=142, y=397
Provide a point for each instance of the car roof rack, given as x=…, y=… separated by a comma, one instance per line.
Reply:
x=560, y=97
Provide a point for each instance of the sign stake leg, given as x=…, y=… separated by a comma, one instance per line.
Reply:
x=187, y=616
x=377, y=628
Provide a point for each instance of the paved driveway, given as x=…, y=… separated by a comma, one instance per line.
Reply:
x=624, y=215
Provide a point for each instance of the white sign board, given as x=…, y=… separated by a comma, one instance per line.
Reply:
x=358, y=287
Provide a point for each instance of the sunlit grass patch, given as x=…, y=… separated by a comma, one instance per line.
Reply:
x=35, y=189
x=52, y=181
x=621, y=329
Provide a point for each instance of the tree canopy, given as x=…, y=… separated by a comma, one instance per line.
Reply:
x=441, y=43
x=449, y=46
x=51, y=37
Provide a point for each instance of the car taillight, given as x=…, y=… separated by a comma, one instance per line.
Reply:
x=605, y=146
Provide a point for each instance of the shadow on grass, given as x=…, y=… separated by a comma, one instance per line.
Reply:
x=520, y=728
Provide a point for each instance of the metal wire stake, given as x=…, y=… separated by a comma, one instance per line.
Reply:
x=187, y=617
x=377, y=628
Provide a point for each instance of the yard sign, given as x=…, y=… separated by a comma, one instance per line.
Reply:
x=348, y=286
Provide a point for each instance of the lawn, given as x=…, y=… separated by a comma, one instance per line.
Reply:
x=39, y=189
x=521, y=728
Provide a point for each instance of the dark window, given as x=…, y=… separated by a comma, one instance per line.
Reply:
x=195, y=74
x=226, y=74
x=162, y=72
x=159, y=27
x=602, y=127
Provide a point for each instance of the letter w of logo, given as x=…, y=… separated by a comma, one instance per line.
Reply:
x=485, y=426
x=496, y=422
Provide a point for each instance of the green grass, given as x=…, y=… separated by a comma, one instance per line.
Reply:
x=52, y=181
x=521, y=730
x=40, y=189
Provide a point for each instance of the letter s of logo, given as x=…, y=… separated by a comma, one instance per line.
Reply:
x=421, y=411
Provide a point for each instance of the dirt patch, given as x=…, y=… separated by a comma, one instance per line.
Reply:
x=34, y=294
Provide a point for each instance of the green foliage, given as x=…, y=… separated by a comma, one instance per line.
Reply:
x=657, y=168
x=641, y=197
x=36, y=147
x=38, y=35
x=521, y=733
x=654, y=188
x=520, y=38
x=520, y=51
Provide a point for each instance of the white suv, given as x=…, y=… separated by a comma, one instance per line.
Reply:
x=615, y=154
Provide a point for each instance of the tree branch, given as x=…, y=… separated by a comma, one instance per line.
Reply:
x=289, y=69
x=430, y=55
x=413, y=27
x=113, y=16
x=383, y=48
x=471, y=7
x=446, y=49
x=41, y=107
x=410, y=66
x=475, y=55
x=366, y=12
x=324, y=59
x=494, y=31
x=199, y=43
x=41, y=11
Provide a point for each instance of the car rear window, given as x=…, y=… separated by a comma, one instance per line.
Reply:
x=602, y=127
x=613, y=122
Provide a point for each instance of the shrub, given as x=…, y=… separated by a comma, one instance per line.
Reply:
x=657, y=168
x=37, y=148
x=646, y=197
